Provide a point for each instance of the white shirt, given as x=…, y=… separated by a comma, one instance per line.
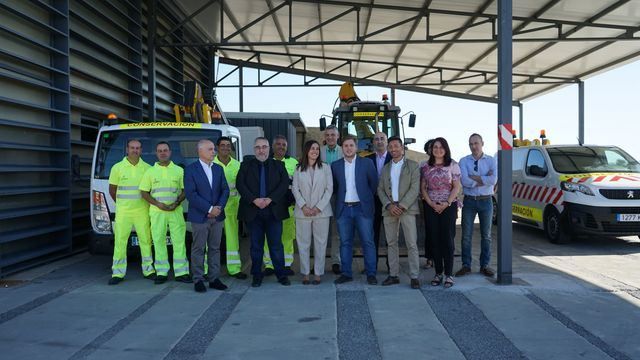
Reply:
x=395, y=178
x=350, y=180
x=209, y=173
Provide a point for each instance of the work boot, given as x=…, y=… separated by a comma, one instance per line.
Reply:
x=184, y=279
x=239, y=276
x=160, y=279
x=150, y=276
x=115, y=280
x=464, y=271
x=218, y=285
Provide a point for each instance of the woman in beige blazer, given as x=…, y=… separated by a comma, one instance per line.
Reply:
x=312, y=188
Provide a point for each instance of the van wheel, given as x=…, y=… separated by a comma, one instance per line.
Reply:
x=494, y=214
x=554, y=227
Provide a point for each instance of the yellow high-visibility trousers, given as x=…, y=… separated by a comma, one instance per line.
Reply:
x=177, y=228
x=121, y=232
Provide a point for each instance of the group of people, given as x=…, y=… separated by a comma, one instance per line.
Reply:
x=330, y=190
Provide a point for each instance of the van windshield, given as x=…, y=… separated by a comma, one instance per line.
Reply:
x=183, y=142
x=588, y=159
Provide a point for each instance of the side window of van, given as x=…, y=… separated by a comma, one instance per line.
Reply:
x=536, y=165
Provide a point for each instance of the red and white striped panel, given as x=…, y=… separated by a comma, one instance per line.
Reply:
x=542, y=194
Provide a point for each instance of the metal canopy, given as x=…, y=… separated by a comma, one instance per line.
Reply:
x=444, y=47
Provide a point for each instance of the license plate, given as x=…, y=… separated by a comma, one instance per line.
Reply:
x=628, y=217
x=136, y=242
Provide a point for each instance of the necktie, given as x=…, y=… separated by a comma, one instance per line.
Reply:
x=263, y=181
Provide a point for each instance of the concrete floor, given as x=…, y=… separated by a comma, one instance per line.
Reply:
x=580, y=300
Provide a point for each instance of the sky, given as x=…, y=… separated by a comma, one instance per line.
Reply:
x=612, y=115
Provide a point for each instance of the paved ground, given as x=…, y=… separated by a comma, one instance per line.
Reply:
x=574, y=301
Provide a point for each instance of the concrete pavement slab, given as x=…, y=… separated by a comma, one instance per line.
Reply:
x=406, y=326
x=277, y=322
x=606, y=318
x=62, y=326
x=528, y=327
x=149, y=336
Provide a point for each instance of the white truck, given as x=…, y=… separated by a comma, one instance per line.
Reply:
x=111, y=148
x=570, y=190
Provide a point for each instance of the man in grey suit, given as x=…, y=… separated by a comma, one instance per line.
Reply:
x=398, y=191
x=329, y=153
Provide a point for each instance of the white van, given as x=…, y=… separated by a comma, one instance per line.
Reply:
x=111, y=148
x=570, y=190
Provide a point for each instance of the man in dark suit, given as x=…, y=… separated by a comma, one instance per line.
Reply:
x=380, y=158
x=206, y=189
x=263, y=184
x=355, y=182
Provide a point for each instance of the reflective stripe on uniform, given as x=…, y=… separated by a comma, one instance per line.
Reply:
x=124, y=196
x=147, y=268
x=118, y=271
x=147, y=259
x=233, y=262
x=119, y=262
x=233, y=193
x=127, y=188
x=166, y=198
x=167, y=189
x=232, y=252
x=183, y=269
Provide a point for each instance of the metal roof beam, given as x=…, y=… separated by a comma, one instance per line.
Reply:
x=377, y=62
x=187, y=19
x=254, y=22
x=330, y=71
x=365, y=82
x=290, y=66
x=595, y=17
x=326, y=22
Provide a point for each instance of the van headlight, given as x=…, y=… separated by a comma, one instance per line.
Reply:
x=572, y=187
x=101, y=212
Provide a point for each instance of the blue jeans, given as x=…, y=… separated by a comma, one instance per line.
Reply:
x=351, y=219
x=484, y=210
x=266, y=224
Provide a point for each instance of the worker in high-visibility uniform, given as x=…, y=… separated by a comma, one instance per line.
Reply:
x=131, y=211
x=231, y=167
x=288, y=225
x=162, y=186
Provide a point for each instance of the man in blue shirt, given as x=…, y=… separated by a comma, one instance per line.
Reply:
x=479, y=175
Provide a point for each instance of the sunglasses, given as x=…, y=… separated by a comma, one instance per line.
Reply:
x=475, y=165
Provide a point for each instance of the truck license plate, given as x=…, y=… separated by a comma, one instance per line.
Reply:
x=136, y=242
x=628, y=217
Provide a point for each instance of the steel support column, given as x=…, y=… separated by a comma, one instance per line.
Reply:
x=211, y=67
x=240, y=88
x=521, y=118
x=581, y=112
x=393, y=96
x=505, y=94
x=151, y=60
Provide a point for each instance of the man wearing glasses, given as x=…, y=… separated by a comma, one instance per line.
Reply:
x=479, y=175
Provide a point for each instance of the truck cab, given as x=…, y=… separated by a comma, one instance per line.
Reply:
x=363, y=119
x=570, y=190
x=111, y=148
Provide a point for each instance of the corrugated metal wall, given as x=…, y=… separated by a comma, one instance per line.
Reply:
x=64, y=65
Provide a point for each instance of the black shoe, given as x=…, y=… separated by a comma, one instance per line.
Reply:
x=487, y=271
x=391, y=280
x=150, y=276
x=160, y=279
x=199, y=287
x=239, y=276
x=218, y=285
x=288, y=271
x=268, y=272
x=336, y=269
x=115, y=280
x=415, y=284
x=343, y=279
x=184, y=279
x=371, y=280
x=284, y=281
x=364, y=271
x=256, y=282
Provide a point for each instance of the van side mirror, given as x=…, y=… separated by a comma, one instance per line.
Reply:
x=412, y=120
x=323, y=123
x=536, y=170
